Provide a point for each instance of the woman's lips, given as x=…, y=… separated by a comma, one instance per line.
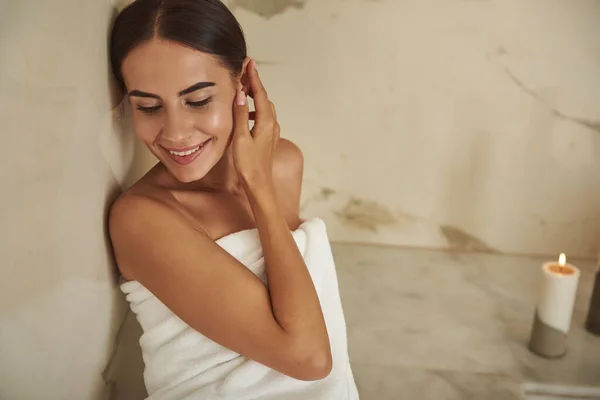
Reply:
x=187, y=155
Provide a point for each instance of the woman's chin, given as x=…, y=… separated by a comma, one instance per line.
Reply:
x=189, y=174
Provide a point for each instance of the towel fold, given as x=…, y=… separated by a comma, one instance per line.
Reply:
x=180, y=363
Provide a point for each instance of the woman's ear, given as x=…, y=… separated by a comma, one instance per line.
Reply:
x=244, y=83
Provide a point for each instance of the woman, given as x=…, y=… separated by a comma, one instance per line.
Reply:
x=213, y=328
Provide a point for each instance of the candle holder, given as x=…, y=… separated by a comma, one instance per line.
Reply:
x=592, y=323
x=554, y=309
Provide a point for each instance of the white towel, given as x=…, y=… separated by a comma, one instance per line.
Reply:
x=180, y=363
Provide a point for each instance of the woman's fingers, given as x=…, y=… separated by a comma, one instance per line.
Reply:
x=264, y=108
x=240, y=115
x=252, y=114
x=273, y=110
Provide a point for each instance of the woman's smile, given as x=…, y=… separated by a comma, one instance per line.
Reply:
x=187, y=155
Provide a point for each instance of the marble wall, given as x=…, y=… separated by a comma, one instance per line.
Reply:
x=442, y=124
x=64, y=158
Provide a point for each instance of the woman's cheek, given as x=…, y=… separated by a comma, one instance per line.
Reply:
x=146, y=129
x=220, y=122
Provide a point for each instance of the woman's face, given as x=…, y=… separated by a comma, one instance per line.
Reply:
x=182, y=105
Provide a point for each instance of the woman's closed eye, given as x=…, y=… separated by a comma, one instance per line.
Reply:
x=194, y=104
x=148, y=109
x=200, y=103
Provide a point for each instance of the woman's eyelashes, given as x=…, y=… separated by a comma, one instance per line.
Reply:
x=193, y=104
x=199, y=103
x=148, y=110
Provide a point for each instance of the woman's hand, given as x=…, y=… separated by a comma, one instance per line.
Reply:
x=253, y=150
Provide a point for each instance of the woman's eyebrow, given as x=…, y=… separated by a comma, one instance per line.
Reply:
x=196, y=86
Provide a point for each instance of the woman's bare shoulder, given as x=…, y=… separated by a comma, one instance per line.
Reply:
x=149, y=188
x=146, y=198
x=288, y=161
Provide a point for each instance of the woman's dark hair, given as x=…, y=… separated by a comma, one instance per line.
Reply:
x=204, y=25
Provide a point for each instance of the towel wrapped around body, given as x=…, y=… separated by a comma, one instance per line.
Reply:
x=180, y=363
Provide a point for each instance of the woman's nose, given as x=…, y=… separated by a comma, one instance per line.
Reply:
x=178, y=127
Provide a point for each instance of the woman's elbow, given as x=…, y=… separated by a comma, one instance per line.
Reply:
x=315, y=367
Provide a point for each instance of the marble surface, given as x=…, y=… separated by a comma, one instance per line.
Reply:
x=438, y=325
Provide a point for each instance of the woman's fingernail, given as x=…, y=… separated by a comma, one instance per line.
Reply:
x=241, y=98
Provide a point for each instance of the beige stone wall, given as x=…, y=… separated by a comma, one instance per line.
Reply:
x=444, y=124
x=63, y=161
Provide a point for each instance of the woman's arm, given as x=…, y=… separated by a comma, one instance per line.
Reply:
x=294, y=300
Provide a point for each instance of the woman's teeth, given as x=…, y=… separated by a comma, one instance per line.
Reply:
x=185, y=153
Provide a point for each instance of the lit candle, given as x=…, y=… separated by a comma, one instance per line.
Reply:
x=554, y=308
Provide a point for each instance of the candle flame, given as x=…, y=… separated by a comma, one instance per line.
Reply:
x=562, y=259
